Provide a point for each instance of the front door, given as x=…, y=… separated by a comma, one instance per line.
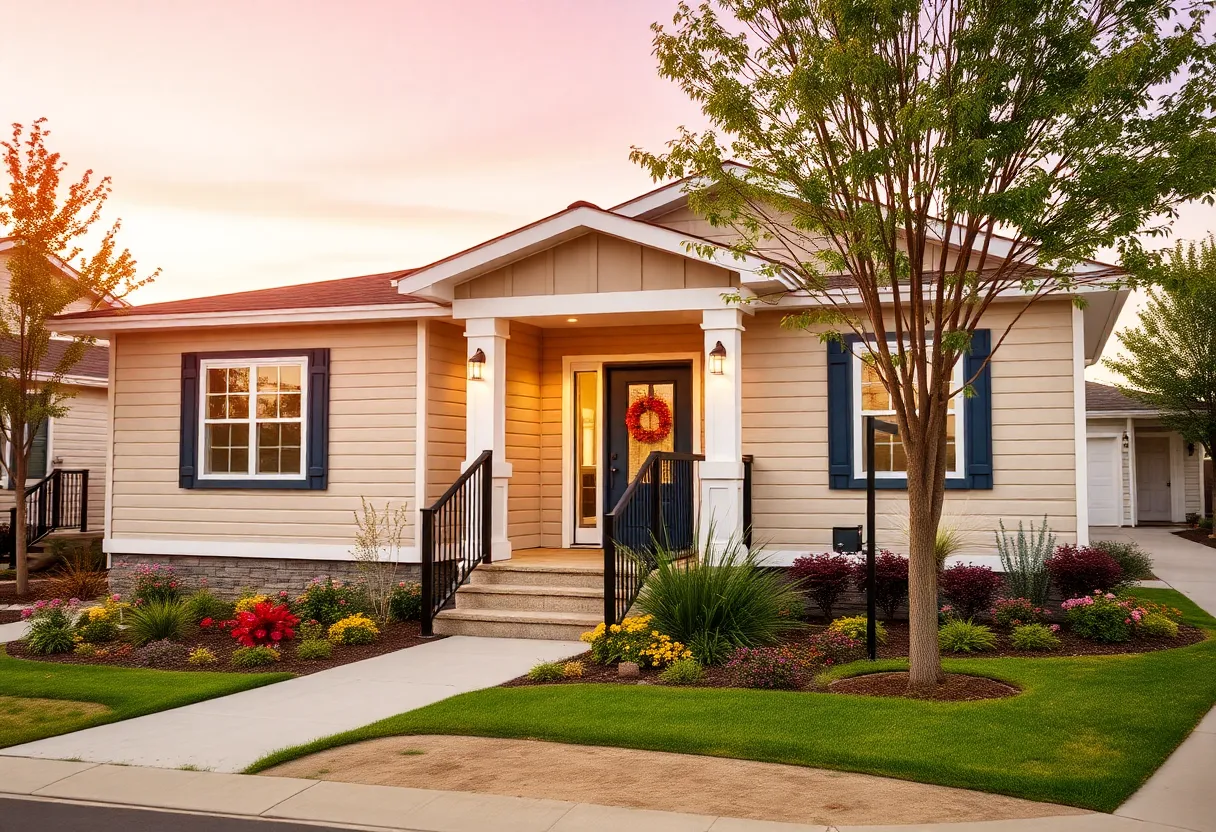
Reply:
x=1153, y=484
x=624, y=451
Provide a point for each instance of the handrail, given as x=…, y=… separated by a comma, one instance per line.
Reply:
x=455, y=536
x=48, y=507
x=657, y=509
x=748, y=460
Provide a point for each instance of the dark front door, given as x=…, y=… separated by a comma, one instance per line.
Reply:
x=624, y=454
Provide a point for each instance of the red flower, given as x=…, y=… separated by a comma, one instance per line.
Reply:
x=206, y=623
x=266, y=623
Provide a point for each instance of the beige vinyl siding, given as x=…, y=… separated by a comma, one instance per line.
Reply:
x=523, y=436
x=371, y=437
x=785, y=428
x=445, y=442
x=1193, y=465
x=557, y=344
x=596, y=263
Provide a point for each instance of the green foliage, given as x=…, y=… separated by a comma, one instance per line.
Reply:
x=855, y=628
x=720, y=602
x=1158, y=625
x=1034, y=637
x=202, y=656
x=47, y=636
x=682, y=672
x=547, y=672
x=313, y=649
x=310, y=631
x=1134, y=561
x=259, y=656
x=203, y=603
x=405, y=602
x=1023, y=560
x=97, y=630
x=157, y=620
x=329, y=601
x=965, y=637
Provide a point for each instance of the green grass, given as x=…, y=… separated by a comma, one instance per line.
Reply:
x=1085, y=731
x=125, y=692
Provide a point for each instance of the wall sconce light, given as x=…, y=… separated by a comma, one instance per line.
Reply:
x=477, y=366
x=1190, y=448
x=1127, y=442
x=717, y=357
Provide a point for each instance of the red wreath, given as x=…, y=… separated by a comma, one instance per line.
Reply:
x=639, y=408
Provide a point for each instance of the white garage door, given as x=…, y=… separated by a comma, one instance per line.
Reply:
x=1105, y=489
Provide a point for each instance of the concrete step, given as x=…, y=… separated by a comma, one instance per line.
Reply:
x=537, y=575
x=562, y=626
x=530, y=598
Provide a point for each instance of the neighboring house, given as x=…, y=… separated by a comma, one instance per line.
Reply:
x=246, y=427
x=1139, y=471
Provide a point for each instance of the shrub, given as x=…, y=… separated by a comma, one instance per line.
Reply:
x=160, y=653
x=157, y=620
x=546, y=672
x=98, y=630
x=824, y=578
x=405, y=602
x=719, y=603
x=202, y=656
x=248, y=601
x=354, y=629
x=50, y=626
x=253, y=656
x=310, y=630
x=831, y=647
x=772, y=668
x=970, y=589
x=1156, y=624
x=965, y=637
x=1012, y=612
x=85, y=650
x=1023, y=560
x=634, y=640
x=155, y=582
x=81, y=571
x=1149, y=607
x=1035, y=637
x=203, y=603
x=313, y=649
x=329, y=601
x=574, y=670
x=682, y=672
x=267, y=624
x=1079, y=570
x=1134, y=561
x=1102, y=617
x=890, y=581
x=855, y=628
x=377, y=554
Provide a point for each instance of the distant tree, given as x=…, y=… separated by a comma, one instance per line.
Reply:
x=1026, y=136
x=1168, y=360
x=47, y=223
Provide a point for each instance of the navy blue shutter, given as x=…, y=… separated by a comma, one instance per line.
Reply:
x=318, y=419
x=840, y=415
x=38, y=463
x=977, y=411
x=188, y=438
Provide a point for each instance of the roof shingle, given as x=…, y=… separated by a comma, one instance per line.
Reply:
x=1102, y=398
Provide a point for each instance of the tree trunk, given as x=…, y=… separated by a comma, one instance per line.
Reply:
x=924, y=655
x=20, y=521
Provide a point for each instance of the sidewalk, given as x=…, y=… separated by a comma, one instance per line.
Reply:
x=230, y=732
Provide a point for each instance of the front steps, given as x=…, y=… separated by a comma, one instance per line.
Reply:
x=520, y=600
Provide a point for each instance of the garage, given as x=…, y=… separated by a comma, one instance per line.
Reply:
x=1105, y=481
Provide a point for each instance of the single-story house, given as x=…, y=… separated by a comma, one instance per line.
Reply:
x=1139, y=471
x=245, y=428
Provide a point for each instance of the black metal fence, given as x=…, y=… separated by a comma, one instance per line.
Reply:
x=657, y=511
x=58, y=501
x=456, y=534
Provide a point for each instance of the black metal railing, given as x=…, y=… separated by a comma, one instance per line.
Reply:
x=747, y=500
x=456, y=533
x=657, y=511
x=60, y=500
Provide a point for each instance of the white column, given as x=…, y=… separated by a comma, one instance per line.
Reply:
x=486, y=417
x=722, y=470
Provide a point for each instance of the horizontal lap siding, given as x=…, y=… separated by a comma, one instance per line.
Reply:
x=785, y=429
x=523, y=436
x=446, y=370
x=371, y=437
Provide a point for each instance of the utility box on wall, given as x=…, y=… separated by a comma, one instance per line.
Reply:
x=846, y=539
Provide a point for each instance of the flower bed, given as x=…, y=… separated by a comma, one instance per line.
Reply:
x=957, y=687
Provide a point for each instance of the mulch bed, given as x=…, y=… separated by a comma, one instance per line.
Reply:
x=9, y=616
x=40, y=589
x=1198, y=536
x=958, y=687
x=393, y=637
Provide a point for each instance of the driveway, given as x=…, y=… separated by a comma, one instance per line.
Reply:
x=1186, y=566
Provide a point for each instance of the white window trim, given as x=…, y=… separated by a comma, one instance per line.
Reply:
x=250, y=363
x=859, y=349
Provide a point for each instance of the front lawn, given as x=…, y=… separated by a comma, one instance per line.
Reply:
x=122, y=693
x=1086, y=731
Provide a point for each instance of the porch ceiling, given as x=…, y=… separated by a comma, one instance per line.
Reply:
x=614, y=319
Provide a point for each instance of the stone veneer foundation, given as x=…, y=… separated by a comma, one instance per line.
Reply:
x=228, y=577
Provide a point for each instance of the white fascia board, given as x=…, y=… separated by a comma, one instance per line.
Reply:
x=75, y=381
x=334, y=314
x=852, y=297
x=662, y=199
x=1121, y=414
x=593, y=303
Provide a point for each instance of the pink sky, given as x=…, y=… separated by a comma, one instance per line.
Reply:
x=275, y=142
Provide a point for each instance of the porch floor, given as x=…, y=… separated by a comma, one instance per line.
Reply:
x=558, y=557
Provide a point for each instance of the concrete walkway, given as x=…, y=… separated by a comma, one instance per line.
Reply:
x=13, y=631
x=230, y=732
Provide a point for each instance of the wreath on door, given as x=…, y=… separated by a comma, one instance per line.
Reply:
x=657, y=416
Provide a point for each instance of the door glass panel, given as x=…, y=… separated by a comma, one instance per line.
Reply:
x=586, y=448
x=638, y=451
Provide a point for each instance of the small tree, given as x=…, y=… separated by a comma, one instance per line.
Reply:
x=46, y=222
x=377, y=553
x=1168, y=360
x=908, y=164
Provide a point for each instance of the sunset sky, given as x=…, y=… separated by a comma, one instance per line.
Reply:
x=256, y=144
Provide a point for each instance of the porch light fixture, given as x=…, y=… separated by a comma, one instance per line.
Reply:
x=571, y=320
x=1190, y=448
x=717, y=357
x=1127, y=442
x=477, y=366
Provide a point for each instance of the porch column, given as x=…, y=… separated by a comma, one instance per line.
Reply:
x=722, y=470
x=486, y=417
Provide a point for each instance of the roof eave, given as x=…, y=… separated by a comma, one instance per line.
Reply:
x=102, y=324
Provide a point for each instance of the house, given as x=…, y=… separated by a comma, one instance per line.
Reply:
x=245, y=428
x=76, y=441
x=1139, y=471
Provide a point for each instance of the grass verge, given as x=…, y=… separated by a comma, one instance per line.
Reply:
x=124, y=693
x=1085, y=731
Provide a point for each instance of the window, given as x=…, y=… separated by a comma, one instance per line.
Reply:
x=586, y=448
x=255, y=420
